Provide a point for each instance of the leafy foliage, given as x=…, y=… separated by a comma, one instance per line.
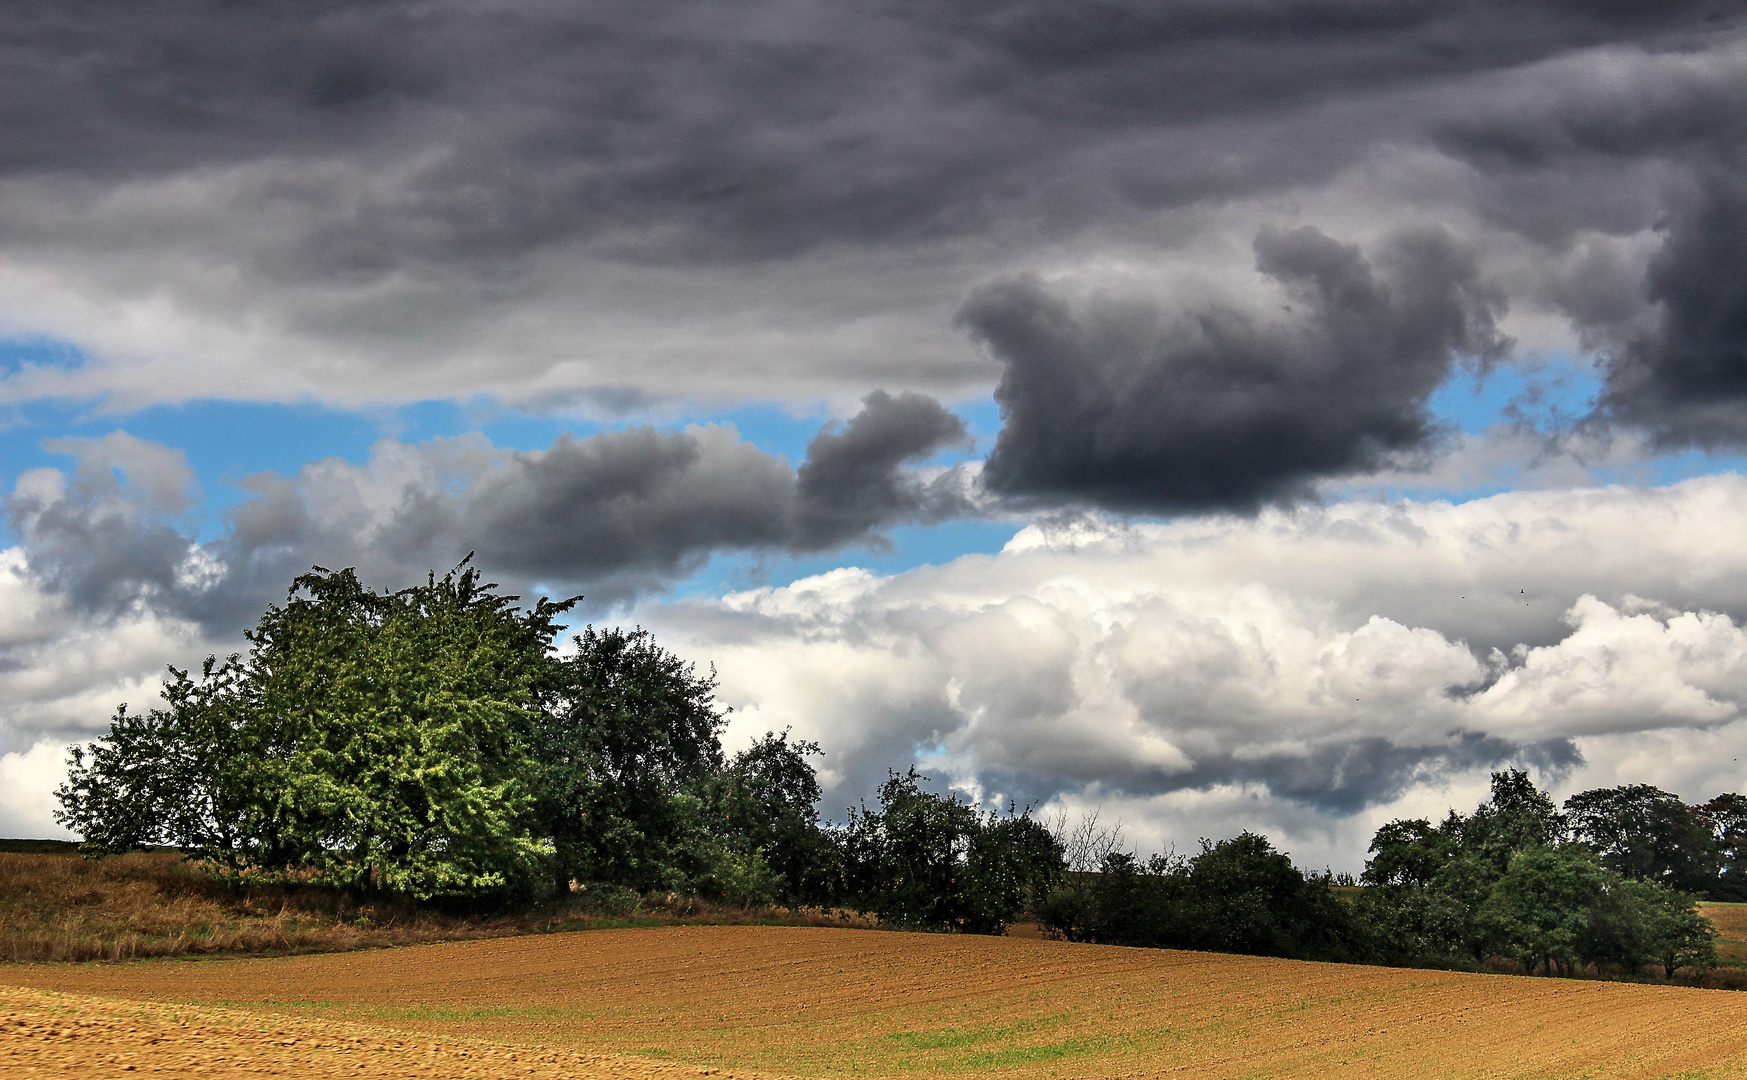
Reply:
x=1726, y=815
x=928, y=860
x=1647, y=834
x=1238, y=895
x=431, y=743
x=377, y=740
x=1553, y=892
x=627, y=748
x=769, y=796
x=1539, y=907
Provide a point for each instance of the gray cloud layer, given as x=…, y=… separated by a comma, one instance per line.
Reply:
x=558, y=203
x=698, y=131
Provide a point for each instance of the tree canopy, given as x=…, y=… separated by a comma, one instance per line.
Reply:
x=377, y=740
x=430, y=742
x=1599, y=883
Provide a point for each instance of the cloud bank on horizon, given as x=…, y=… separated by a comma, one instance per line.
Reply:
x=1217, y=265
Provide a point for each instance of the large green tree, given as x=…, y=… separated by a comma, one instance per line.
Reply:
x=768, y=797
x=1540, y=906
x=371, y=740
x=1647, y=834
x=1727, y=817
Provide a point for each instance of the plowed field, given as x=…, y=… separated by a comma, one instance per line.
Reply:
x=820, y=1002
x=1731, y=923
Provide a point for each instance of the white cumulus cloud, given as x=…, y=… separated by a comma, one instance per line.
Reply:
x=1309, y=673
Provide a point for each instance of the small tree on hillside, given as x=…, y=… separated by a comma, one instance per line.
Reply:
x=769, y=795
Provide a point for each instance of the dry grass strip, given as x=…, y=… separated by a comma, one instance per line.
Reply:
x=57, y=906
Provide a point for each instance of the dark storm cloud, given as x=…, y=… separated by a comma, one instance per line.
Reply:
x=1134, y=408
x=853, y=480
x=1620, y=150
x=454, y=142
x=662, y=101
x=659, y=504
x=630, y=500
x=615, y=514
x=1685, y=380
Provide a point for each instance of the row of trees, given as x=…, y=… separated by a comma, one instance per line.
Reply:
x=1600, y=884
x=1519, y=880
x=1238, y=895
x=433, y=743
x=430, y=742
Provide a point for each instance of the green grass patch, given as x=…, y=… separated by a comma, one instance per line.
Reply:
x=970, y=1049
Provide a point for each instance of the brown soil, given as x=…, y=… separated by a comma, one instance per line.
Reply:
x=820, y=1002
x=43, y=1034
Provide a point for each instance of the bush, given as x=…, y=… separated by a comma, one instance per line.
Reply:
x=599, y=898
x=1239, y=895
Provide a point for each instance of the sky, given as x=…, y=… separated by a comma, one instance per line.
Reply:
x=1253, y=414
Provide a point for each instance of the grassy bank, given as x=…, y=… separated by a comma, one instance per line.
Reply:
x=55, y=905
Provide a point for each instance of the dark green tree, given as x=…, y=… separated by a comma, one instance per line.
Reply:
x=628, y=748
x=1635, y=923
x=1647, y=834
x=1680, y=937
x=934, y=861
x=1726, y=815
x=1125, y=901
x=1453, y=906
x=1014, y=861
x=1539, y=909
x=1406, y=853
x=1428, y=885
x=1237, y=895
x=769, y=796
x=1244, y=896
x=1518, y=816
x=905, y=859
